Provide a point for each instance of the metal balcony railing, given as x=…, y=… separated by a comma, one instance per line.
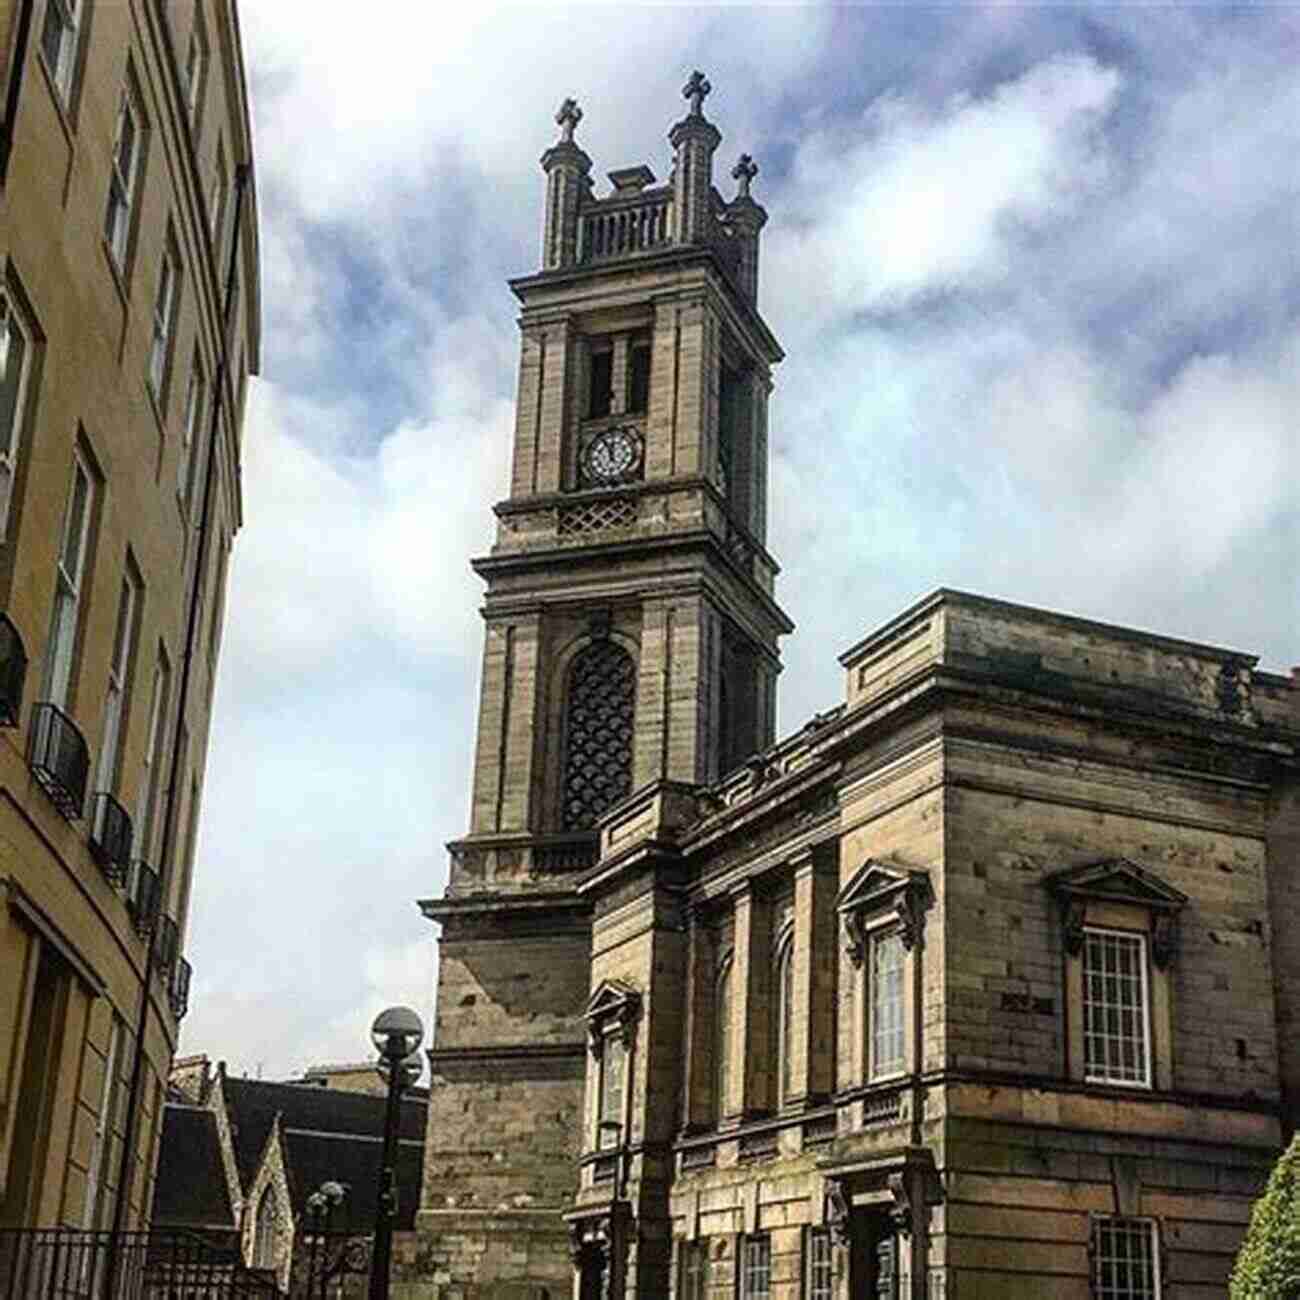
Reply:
x=59, y=759
x=179, y=992
x=165, y=1264
x=13, y=672
x=142, y=895
x=110, y=838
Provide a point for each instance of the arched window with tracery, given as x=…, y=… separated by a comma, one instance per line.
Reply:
x=600, y=700
x=264, y=1230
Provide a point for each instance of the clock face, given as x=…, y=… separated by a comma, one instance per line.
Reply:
x=612, y=456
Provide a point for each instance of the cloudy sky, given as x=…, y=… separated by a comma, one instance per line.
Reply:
x=1036, y=271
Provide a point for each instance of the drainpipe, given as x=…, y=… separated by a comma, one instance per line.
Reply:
x=15, y=88
x=127, y=1168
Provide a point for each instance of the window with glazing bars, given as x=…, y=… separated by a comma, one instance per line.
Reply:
x=69, y=572
x=1116, y=1047
x=15, y=361
x=1125, y=1259
x=756, y=1268
x=695, y=1270
x=127, y=146
x=191, y=427
x=164, y=320
x=886, y=1005
x=59, y=44
x=821, y=1265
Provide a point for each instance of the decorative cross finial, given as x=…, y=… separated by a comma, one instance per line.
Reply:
x=695, y=90
x=567, y=118
x=743, y=173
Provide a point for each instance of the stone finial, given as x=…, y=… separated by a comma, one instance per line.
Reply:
x=743, y=174
x=696, y=90
x=567, y=119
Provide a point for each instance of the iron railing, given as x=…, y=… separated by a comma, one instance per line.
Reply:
x=164, y=1264
x=59, y=759
x=178, y=992
x=143, y=891
x=13, y=672
x=110, y=838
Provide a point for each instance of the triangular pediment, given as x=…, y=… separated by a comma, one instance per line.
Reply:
x=610, y=998
x=872, y=883
x=1117, y=880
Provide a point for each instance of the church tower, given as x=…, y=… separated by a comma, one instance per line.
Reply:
x=631, y=637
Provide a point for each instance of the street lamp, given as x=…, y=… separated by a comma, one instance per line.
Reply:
x=321, y=1205
x=396, y=1034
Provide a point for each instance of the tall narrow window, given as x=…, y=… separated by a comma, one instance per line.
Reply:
x=722, y=1038
x=98, y=1181
x=196, y=397
x=15, y=361
x=59, y=44
x=785, y=1019
x=196, y=68
x=1125, y=1259
x=68, y=580
x=601, y=383
x=118, y=687
x=601, y=699
x=1116, y=1034
x=128, y=145
x=217, y=205
x=613, y=1067
x=821, y=1265
x=164, y=321
x=886, y=1003
x=147, y=796
x=218, y=613
x=695, y=1269
x=638, y=377
x=265, y=1230
x=756, y=1267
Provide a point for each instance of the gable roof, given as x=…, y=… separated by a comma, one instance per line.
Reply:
x=253, y=1104
x=190, y=1187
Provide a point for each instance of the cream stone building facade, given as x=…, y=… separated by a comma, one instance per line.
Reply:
x=985, y=982
x=129, y=322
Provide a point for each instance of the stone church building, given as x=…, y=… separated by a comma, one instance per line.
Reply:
x=983, y=982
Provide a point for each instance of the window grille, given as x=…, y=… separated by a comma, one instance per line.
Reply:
x=886, y=1005
x=596, y=516
x=1115, y=1032
x=821, y=1265
x=756, y=1268
x=1125, y=1260
x=601, y=701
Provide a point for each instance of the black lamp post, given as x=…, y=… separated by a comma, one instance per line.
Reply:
x=397, y=1034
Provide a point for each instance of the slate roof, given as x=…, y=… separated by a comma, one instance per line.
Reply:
x=190, y=1188
x=253, y=1104
x=314, y=1158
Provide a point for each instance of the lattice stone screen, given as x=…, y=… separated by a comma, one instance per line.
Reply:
x=598, y=733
